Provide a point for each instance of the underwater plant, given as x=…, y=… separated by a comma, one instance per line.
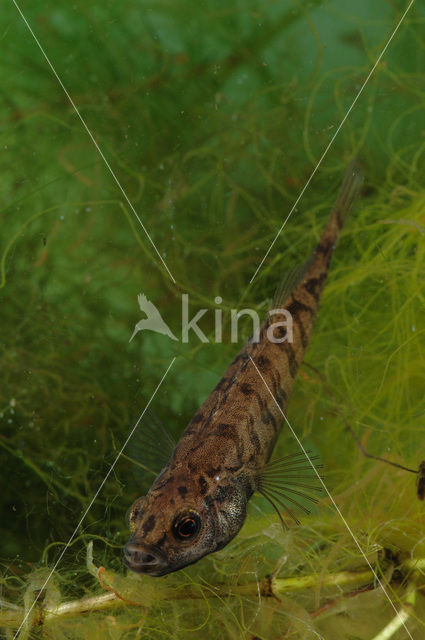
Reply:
x=212, y=118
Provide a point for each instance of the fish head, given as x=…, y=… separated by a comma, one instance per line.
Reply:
x=182, y=519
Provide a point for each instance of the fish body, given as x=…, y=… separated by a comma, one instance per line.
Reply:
x=198, y=502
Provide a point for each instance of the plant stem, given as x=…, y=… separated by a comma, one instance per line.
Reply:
x=402, y=616
x=269, y=587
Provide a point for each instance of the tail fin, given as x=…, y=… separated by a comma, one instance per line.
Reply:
x=348, y=192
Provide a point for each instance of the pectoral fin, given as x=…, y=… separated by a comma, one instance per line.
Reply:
x=288, y=481
x=150, y=449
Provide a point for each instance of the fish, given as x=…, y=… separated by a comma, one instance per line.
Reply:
x=198, y=502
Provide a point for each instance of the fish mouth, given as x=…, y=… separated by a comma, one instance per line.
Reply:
x=143, y=558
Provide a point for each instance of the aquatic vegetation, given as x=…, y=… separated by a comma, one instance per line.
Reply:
x=213, y=118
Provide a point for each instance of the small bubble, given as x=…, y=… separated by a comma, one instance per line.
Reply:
x=12, y=402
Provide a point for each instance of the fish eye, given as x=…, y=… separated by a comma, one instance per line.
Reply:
x=187, y=525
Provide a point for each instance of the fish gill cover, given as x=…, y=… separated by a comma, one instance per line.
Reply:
x=212, y=117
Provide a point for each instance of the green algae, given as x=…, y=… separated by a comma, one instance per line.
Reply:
x=213, y=118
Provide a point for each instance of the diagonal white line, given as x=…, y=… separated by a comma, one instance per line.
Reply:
x=337, y=509
x=83, y=122
x=341, y=124
x=111, y=468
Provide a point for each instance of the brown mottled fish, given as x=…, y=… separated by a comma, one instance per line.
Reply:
x=198, y=502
